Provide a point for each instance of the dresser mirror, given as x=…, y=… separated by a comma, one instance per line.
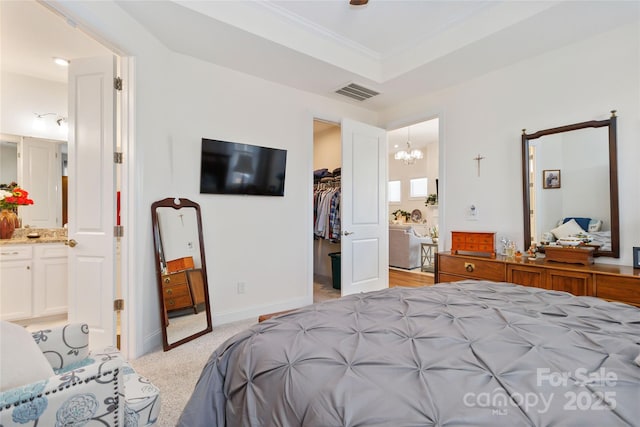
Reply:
x=181, y=271
x=570, y=172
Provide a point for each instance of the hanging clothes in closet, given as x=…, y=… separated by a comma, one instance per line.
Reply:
x=326, y=209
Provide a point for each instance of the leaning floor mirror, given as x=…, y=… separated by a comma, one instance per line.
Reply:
x=181, y=271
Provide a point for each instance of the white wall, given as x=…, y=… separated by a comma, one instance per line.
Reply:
x=327, y=149
x=22, y=96
x=486, y=115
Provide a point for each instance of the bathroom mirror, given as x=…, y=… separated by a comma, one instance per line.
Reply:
x=571, y=172
x=181, y=271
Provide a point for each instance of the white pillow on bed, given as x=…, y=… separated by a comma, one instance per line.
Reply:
x=595, y=225
x=569, y=228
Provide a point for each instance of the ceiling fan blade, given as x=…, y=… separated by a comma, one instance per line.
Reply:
x=358, y=2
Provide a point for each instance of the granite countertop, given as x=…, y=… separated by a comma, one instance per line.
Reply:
x=47, y=235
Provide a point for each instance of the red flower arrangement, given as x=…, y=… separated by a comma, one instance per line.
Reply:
x=12, y=196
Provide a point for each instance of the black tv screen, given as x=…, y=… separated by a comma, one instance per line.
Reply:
x=234, y=168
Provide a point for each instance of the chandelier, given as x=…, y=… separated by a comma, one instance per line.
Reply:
x=409, y=156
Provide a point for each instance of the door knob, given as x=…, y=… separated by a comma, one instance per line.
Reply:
x=346, y=233
x=72, y=243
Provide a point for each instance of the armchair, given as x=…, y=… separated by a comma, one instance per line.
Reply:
x=83, y=386
x=404, y=246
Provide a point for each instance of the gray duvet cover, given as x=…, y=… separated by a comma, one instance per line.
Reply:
x=454, y=354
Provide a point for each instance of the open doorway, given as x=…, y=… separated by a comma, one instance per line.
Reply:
x=413, y=197
x=327, y=167
x=37, y=88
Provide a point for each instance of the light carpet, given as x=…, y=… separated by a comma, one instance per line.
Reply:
x=176, y=371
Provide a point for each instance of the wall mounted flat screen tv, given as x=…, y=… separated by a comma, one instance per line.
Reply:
x=235, y=168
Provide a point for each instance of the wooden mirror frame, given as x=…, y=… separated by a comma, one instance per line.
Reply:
x=183, y=203
x=613, y=178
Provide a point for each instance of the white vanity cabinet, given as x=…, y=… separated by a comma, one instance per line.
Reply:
x=16, y=282
x=50, y=279
x=33, y=280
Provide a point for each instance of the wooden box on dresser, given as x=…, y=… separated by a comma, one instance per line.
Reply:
x=610, y=282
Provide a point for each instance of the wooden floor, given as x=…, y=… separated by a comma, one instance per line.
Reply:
x=407, y=278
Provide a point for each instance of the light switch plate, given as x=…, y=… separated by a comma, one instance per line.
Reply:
x=472, y=213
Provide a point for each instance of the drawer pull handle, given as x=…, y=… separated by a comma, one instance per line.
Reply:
x=469, y=267
x=169, y=291
x=172, y=302
x=167, y=280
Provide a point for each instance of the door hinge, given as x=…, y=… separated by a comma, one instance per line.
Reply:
x=117, y=157
x=118, y=231
x=118, y=305
x=117, y=83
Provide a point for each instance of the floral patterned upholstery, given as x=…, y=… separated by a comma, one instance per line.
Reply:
x=98, y=388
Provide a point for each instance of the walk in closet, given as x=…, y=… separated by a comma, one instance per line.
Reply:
x=326, y=204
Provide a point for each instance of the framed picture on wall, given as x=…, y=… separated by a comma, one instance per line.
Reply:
x=636, y=257
x=551, y=178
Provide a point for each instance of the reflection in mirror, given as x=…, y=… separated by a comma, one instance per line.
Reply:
x=570, y=172
x=40, y=168
x=181, y=271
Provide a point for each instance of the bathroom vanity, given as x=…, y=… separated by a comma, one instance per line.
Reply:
x=33, y=277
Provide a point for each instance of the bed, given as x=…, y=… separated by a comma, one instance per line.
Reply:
x=470, y=353
x=587, y=229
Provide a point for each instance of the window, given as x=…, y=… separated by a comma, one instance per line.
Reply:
x=418, y=188
x=394, y=191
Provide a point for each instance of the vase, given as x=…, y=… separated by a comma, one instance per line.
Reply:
x=18, y=220
x=8, y=221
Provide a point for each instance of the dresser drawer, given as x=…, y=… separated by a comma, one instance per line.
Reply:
x=472, y=268
x=178, y=290
x=617, y=288
x=176, y=296
x=176, y=303
x=175, y=278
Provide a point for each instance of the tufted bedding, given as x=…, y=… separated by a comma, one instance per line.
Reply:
x=454, y=354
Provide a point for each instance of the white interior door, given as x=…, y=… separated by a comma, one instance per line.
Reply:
x=363, y=209
x=91, y=203
x=39, y=171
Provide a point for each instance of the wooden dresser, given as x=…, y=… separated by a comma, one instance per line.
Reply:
x=175, y=291
x=610, y=282
x=183, y=289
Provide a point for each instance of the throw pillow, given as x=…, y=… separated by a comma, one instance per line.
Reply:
x=595, y=225
x=582, y=222
x=569, y=228
x=21, y=360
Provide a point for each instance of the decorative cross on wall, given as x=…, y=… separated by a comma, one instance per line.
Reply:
x=477, y=159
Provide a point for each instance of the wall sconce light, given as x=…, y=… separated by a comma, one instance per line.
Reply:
x=39, y=121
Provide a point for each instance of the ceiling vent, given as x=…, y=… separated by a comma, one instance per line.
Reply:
x=357, y=92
